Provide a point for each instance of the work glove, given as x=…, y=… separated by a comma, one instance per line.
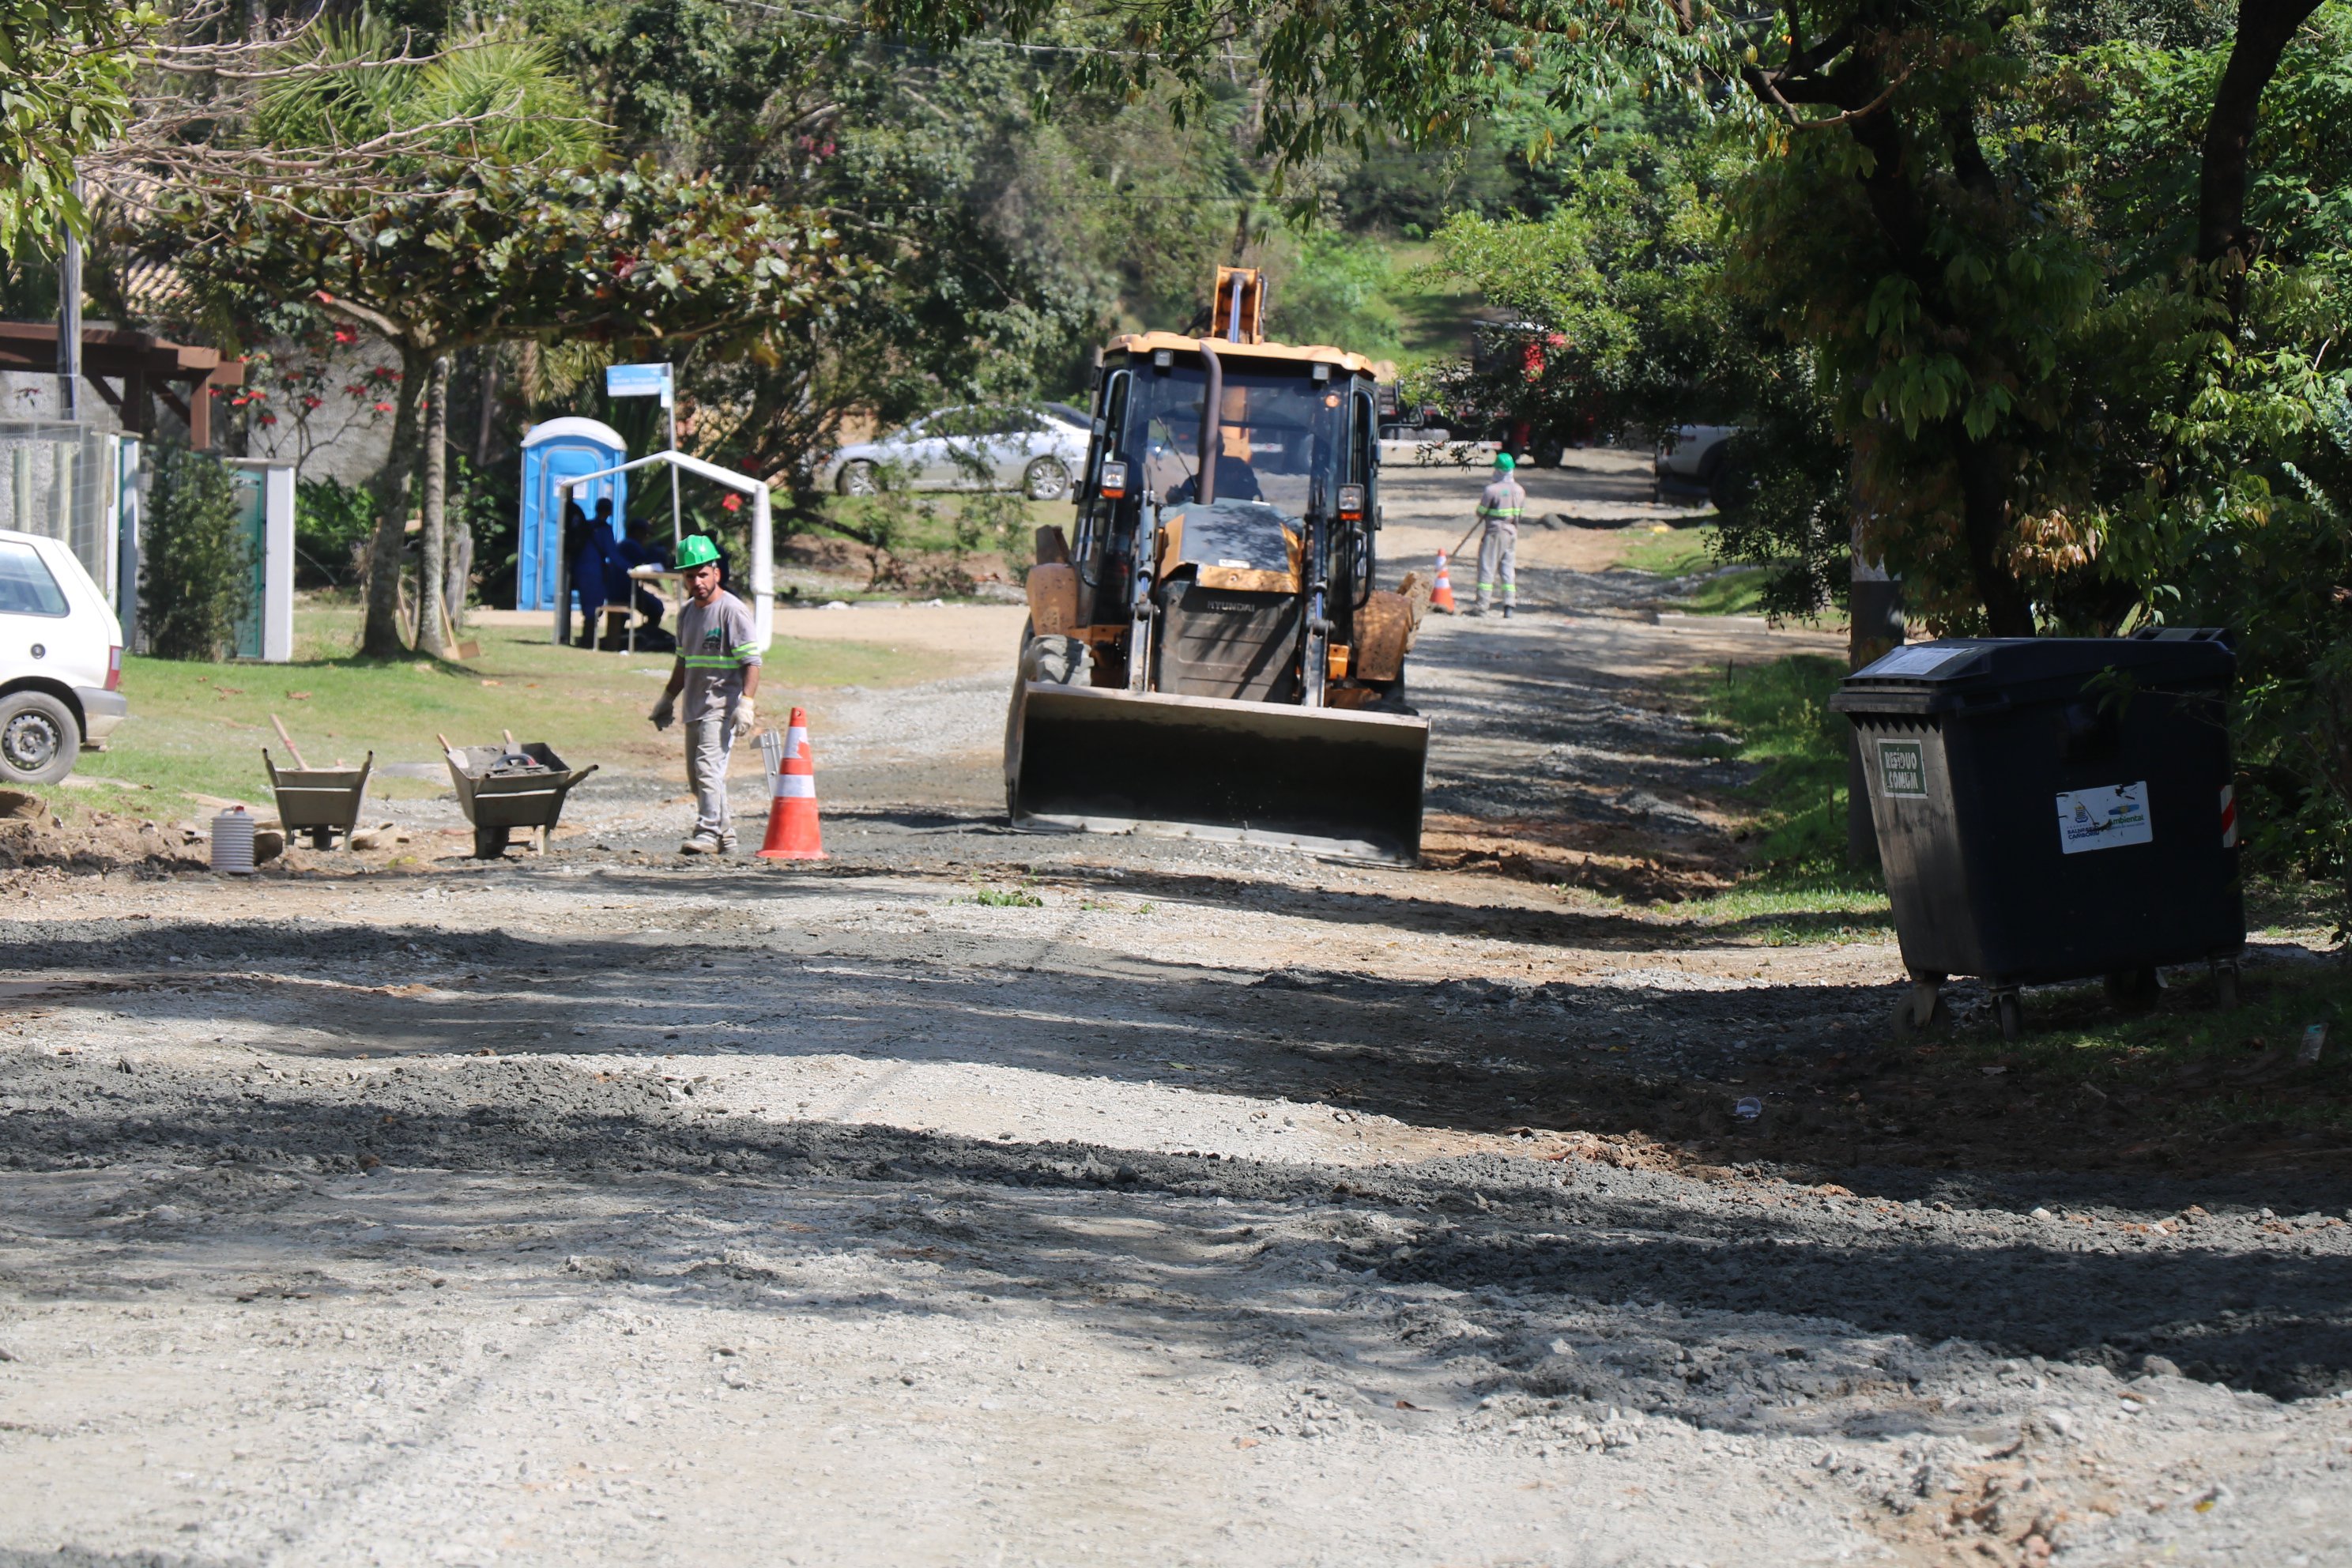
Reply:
x=746, y=715
x=664, y=711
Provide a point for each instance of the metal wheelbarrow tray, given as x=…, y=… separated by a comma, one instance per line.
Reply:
x=321, y=802
x=498, y=799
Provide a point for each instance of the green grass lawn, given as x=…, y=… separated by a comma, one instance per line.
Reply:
x=1799, y=888
x=199, y=729
x=1689, y=552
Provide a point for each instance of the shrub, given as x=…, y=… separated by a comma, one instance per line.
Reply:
x=333, y=522
x=193, y=559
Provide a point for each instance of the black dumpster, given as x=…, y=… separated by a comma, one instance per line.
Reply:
x=2053, y=808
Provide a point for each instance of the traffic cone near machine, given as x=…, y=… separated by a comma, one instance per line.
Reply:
x=1441, y=598
x=793, y=833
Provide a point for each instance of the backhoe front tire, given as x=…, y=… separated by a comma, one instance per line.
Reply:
x=1053, y=661
x=1049, y=661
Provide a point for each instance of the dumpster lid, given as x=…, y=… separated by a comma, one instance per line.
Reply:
x=1982, y=672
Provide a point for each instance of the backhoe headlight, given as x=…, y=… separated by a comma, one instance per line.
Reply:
x=1114, y=482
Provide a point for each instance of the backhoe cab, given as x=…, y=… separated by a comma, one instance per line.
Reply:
x=1208, y=656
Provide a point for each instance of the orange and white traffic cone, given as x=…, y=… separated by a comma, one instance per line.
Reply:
x=793, y=833
x=1441, y=598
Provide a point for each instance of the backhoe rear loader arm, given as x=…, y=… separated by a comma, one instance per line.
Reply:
x=1140, y=611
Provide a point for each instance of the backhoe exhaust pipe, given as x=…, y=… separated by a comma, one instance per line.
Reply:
x=1204, y=484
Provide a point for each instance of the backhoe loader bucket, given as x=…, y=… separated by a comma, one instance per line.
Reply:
x=1333, y=781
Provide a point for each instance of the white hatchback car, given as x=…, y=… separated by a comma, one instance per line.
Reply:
x=60, y=660
x=1036, y=450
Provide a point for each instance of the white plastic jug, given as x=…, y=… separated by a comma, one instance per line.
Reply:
x=233, y=842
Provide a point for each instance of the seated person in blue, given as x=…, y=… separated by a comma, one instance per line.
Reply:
x=619, y=586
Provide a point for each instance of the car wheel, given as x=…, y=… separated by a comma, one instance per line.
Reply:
x=39, y=738
x=858, y=478
x=1048, y=478
x=1728, y=487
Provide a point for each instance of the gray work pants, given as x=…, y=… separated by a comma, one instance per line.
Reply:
x=1497, y=562
x=709, y=746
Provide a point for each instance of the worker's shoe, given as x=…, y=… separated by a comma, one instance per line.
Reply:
x=727, y=844
x=1507, y=612
x=704, y=844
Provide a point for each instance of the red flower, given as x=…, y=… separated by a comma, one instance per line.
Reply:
x=384, y=408
x=733, y=503
x=346, y=335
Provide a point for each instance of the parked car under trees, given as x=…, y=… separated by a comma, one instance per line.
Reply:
x=1034, y=448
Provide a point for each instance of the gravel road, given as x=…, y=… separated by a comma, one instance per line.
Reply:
x=981, y=1199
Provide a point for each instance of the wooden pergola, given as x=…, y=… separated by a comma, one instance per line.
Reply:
x=182, y=376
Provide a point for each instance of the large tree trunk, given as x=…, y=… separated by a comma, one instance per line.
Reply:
x=486, y=415
x=457, y=576
x=430, y=565
x=2265, y=29
x=393, y=483
x=1984, y=515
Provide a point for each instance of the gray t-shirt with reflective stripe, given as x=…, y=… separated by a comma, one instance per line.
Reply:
x=1504, y=502
x=716, y=642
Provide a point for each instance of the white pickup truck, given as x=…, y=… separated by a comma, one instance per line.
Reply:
x=60, y=661
x=1691, y=457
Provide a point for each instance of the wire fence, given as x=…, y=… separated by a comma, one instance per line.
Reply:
x=66, y=481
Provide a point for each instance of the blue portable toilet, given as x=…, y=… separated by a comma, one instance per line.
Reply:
x=559, y=449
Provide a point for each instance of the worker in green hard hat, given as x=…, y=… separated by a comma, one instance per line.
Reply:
x=718, y=675
x=1502, y=505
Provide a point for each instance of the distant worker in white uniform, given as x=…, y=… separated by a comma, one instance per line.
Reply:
x=1502, y=506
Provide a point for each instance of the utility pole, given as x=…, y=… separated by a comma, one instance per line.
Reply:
x=670, y=402
x=69, y=323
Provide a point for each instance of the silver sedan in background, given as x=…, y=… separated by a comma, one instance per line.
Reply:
x=1037, y=449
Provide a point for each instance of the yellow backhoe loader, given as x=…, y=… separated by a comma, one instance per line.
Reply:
x=1207, y=656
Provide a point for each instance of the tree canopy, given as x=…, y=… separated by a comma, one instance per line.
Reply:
x=66, y=73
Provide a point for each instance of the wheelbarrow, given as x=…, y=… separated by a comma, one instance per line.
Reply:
x=505, y=787
x=321, y=802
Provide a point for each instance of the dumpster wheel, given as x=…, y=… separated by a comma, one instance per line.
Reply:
x=1921, y=1008
x=2135, y=990
x=2008, y=1008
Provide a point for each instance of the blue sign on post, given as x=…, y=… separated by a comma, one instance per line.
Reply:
x=638, y=381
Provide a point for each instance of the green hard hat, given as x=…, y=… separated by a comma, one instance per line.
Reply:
x=696, y=550
x=1502, y=461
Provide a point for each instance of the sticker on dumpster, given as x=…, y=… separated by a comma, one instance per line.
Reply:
x=1919, y=660
x=1903, y=768
x=2103, y=818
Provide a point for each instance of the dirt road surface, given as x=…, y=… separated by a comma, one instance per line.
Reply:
x=981, y=1199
